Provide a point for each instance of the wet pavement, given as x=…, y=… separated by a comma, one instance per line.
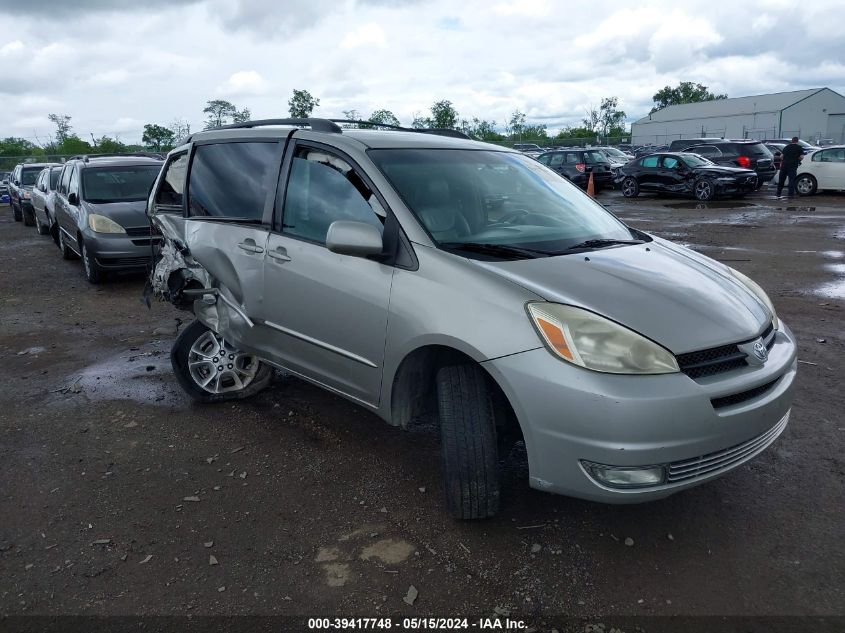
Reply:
x=116, y=490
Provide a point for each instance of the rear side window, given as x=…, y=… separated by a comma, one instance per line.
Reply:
x=754, y=149
x=173, y=184
x=557, y=159
x=54, y=177
x=649, y=161
x=572, y=158
x=63, y=183
x=544, y=159
x=230, y=180
x=593, y=157
x=830, y=156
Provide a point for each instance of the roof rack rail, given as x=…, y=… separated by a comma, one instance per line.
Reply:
x=86, y=157
x=436, y=130
x=318, y=125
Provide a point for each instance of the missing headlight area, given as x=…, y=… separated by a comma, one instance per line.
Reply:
x=174, y=272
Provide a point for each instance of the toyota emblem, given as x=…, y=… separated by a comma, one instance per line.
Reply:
x=760, y=351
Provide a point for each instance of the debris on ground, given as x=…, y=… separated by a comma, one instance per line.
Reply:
x=535, y=549
x=411, y=596
x=629, y=541
x=212, y=560
x=193, y=498
x=146, y=559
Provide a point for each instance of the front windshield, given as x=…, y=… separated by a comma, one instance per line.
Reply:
x=495, y=198
x=694, y=160
x=118, y=184
x=29, y=176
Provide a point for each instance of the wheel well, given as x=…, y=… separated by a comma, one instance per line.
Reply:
x=414, y=392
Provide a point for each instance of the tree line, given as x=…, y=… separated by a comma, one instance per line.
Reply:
x=603, y=120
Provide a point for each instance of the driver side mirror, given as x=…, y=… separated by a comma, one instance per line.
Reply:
x=358, y=239
x=73, y=199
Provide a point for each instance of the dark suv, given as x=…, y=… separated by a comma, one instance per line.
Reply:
x=577, y=165
x=100, y=207
x=20, y=190
x=746, y=154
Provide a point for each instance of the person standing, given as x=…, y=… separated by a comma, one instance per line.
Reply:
x=790, y=159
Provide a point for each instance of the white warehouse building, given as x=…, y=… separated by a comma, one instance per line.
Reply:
x=814, y=115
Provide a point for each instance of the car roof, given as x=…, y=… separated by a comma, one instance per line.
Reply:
x=117, y=161
x=39, y=165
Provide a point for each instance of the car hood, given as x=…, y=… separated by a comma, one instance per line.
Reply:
x=724, y=170
x=126, y=214
x=668, y=293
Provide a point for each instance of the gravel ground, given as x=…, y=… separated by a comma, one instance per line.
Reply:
x=118, y=496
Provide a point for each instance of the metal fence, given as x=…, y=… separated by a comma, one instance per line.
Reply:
x=566, y=142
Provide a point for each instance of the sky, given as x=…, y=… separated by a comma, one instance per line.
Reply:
x=114, y=65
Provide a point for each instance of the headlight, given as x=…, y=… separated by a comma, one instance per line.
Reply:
x=102, y=224
x=26, y=195
x=586, y=339
x=758, y=292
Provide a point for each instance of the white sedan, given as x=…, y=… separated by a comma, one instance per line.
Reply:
x=822, y=169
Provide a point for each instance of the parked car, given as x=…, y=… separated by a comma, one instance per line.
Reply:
x=577, y=165
x=777, y=153
x=100, y=212
x=4, y=186
x=685, y=174
x=527, y=147
x=20, y=190
x=442, y=280
x=823, y=169
x=681, y=144
x=746, y=154
x=808, y=147
x=615, y=155
x=43, y=195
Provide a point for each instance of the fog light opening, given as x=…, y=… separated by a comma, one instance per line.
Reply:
x=625, y=476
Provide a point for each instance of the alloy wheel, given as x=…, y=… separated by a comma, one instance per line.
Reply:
x=804, y=186
x=703, y=190
x=217, y=367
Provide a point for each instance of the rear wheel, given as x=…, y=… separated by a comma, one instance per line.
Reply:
x=16, y=212
x=468, y=442
x=630, y=187
x=211, y=370
x=806, y=185
x=704, y=189
x=28, y=217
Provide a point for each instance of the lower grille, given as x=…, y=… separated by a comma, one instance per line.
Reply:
x=742, y=396
x=125, y=262
x=698, y=467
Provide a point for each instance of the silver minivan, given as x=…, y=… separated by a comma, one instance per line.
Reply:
x=429, y=277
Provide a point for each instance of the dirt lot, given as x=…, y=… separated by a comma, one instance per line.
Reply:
x=119, y=496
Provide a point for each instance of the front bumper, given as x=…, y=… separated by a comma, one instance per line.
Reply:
x=115, y=251
x=570, y=415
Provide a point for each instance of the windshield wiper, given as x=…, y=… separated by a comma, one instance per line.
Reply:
x=603, y=242
x=502, y=250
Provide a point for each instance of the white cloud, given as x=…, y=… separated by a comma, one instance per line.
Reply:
x=244, y=83
x=523, y=8
x=365, y=35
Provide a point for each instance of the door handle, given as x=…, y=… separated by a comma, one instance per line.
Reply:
x=279, y=254
x=250, y=246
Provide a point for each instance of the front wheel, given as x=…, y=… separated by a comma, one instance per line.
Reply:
x=630, y=187
x=43, y=229
x=468, y=442
x=704, y=190
x=806, y=185
x=29, y=217
x=16, y=212
x=211, y=370
x=93, y=272
x=67, y=251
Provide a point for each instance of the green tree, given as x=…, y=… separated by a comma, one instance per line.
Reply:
x=351, y=115
x=302, y=104
x=107, y=145
x=516, y=124
x=384, y=116
x=13, y=146
x=241, y=116
x=481, y=129
x=74, y=145
x=611, y=118
x=63, y=128
x=158, y=137
x=181, y=129
x=684, y=92
x=219, y=112
x=444, y=115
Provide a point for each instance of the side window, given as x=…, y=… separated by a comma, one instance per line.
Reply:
x=40, y=181
x=54, y=177
x=73, y=185
x=65, y=179
x=229, y=180
x=323, y=188
x=172, y=186
x=649, y=161
x=544, y=159
x=670, y=162
x=572, y=158
x=557, y=159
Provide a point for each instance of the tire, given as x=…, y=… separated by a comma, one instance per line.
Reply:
x=54, y=232
x=16, y=212
x=93, y=272
x=468, y=442
x=43, y=229
x=29, y=217
x=67, y=252
x=806, y=185
x=187, y=350
x=630, y=187
x=704, y=189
